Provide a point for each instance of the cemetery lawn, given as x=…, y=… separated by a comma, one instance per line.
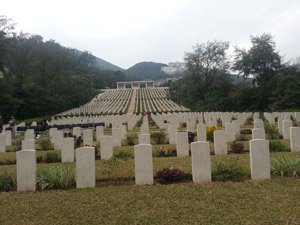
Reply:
x=276, y=201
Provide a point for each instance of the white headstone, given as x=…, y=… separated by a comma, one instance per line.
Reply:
x=220, y=142
x=144, y=139
x=26, y=170
x=99, y=132
x=201, y=167
x=28, y=144
x=29, y=135
x=295, y=139
x=8, y=137
x=259, y=159
x=67, y=150
x=172, y=131
x=201, y=132
x=88, y=137
x=143, y=164
x=116, y=135
x=106, y=143
x=258, y=124
x=230, y=131
x=258, y=133
x=182, y=144
x=2, y=142
x=77, y=131
x=144, y=130
x=85, y=167
x=286, y=125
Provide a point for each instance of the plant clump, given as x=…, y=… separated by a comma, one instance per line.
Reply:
x=210, y=133
x=170, y=175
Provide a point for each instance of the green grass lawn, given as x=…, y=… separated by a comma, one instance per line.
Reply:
x=274, y=201
x=116, y=200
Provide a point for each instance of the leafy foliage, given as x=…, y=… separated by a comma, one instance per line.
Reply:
x=159, y=137
x=229, y=171
x=56, y=177
x=237, y=147
x=45, y=144
x=277, y=146
x=170, y=175
x=286, y=166
x=210, y=133
x=125, y=154
x=52, y=157
x=7, y=183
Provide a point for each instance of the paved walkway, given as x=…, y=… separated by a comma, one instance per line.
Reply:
x=132, y=103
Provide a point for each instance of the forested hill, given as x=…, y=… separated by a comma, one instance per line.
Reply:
x=39, y=78
x=146, y=71
x=107, y=65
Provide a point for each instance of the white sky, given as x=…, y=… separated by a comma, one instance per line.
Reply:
x=125, y=32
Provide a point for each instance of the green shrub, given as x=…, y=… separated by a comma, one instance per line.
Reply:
x=7, y=183
x=237, y=147
x=241, y=137
x=109, y=167
x=158, y=137
x=271, y=131
x=45, y=144
x=130, y=140
x=162, y=152
x=17, y=144
x=125, y=154
x=277, y=146
x=56, y=177
x=210, y=133
x=169, y=175
x=229, y=171
x=52, y=157
x=286, y=166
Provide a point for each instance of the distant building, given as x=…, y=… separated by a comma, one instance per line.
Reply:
x=295, y=61
x=174, y=68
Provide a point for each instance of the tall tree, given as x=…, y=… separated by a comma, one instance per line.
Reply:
x=261, y=61
x=207, y=63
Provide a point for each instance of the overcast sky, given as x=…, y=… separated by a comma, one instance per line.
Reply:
x=125, y=32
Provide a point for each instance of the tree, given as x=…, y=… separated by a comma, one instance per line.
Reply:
x=6, y=27
x=207, y=63
x=261, y=61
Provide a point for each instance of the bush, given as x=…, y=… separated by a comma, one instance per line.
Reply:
x=271, y=131
x=125, y=154
x=162, y=152
x=52, y=157
x=277, y=146
x=169, y=175
x=233, y=118
x=45, y=144
x=130, y=140
x=39, y=159
x=56, y=177
x=249, y=121
x=237, y=147
x=158, y=137
x=246, y=131
x=110, y=167
x=7, y=183
x=241, y=137
x=17, y=144
x=286, y=166
x=230, y=171
x=210, y=133
x=191, y=136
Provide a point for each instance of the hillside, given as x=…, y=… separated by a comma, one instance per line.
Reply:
x=107, y=65
x=146, y=71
